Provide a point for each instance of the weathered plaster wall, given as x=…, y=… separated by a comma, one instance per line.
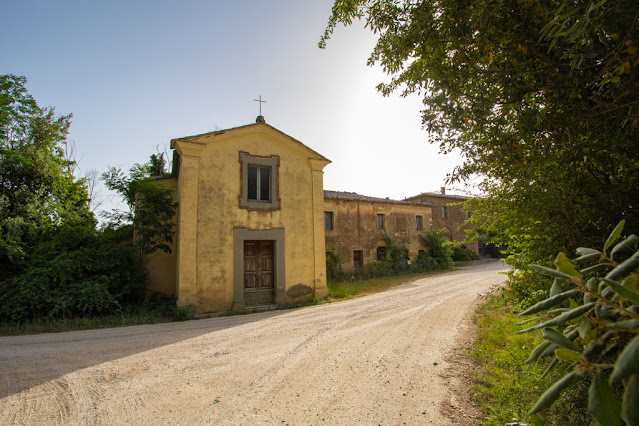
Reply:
x=355, y=227
x=209, y=184
x=453, y=224
x=162, y=266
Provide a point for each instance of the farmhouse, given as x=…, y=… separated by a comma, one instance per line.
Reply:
x=254, y=223
x=449, y=217
x=356, y=225
x=250, y=221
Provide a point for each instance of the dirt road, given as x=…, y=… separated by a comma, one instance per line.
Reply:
x=381, y=359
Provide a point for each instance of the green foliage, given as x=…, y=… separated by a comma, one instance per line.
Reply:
x=591, y=327
x=37, y=189
x=334, y=266
x=505, y=386
x=382, y=268
x=438, y=248
x=53, y=263
x=462, y=254
x=396, y=252
x=146, y=312
x=73, y=272
x=436, y=256
x=539, y=97
x=151, y=205
x=347, y=289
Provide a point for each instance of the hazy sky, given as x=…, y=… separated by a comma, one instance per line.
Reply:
x=136, y=74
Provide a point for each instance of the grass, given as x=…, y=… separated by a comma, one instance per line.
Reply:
x=146, y=313
x=153, y=313
x=362, y=287
x=505, y=387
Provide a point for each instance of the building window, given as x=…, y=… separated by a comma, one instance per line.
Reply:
x=467, y=215
x=259, y=182
x=381, y=254
x=328, y=221
x=421, y=253
x=358, y=259
x=420, y=222
x=444, y=212
x=380, y=221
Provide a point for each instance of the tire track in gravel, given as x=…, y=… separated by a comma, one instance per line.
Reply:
x=377, y=359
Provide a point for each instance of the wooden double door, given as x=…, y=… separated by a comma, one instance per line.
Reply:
x=259, y=272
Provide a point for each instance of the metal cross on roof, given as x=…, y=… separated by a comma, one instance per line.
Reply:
x=261, y=102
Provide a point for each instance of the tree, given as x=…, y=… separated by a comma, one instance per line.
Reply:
x=37, y=189
x=151, y=206
x=53, y=263
x=540, y=96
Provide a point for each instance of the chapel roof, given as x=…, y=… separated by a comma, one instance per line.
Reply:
x=259, y=123
x=353, y=196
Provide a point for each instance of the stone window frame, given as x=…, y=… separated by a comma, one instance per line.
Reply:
x=273, y=162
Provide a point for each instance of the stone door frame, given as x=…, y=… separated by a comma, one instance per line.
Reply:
x=239, y=236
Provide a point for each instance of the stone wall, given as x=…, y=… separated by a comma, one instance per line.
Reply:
x=448, y=216
x=354, y=229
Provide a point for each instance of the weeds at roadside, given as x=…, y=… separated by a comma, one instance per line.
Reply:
x=146, y=313
x=505, y=386
x=356, y=288
x=167, y=311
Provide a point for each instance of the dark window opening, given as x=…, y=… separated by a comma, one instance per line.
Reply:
x=444, y=212
x=259, y=183
x=380, y=221
x=420, y=222
x=358, y=259
x=328, y=221
x=381, y=253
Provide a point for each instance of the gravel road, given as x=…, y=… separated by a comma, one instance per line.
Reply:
x=381, y=359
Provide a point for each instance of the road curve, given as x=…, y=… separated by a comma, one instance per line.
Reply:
x=379, y=359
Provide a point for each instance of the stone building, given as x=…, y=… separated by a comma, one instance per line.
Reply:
x=250, y=221
x=448, y=215
x=355, y=226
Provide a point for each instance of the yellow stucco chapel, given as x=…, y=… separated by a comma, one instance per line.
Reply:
x=250, y=221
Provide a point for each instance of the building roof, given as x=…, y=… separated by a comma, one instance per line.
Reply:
x=353, y=196
x=439, y=195
x=258, y=124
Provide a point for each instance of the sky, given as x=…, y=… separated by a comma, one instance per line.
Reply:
x=137, y=73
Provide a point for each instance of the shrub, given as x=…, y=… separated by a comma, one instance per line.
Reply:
x=592, y=328
x=379, y=268
x=462, y=254
x=438, y=247
x=74, y=272
x=334, y=266
x=425, y=263
x=396, y=253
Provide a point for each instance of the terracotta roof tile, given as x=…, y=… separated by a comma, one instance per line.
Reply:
x=353, y=196
x=440, y=195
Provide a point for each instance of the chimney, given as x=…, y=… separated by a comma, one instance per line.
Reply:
x=443, y=190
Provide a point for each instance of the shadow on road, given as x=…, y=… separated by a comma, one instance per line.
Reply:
x=29, y=361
